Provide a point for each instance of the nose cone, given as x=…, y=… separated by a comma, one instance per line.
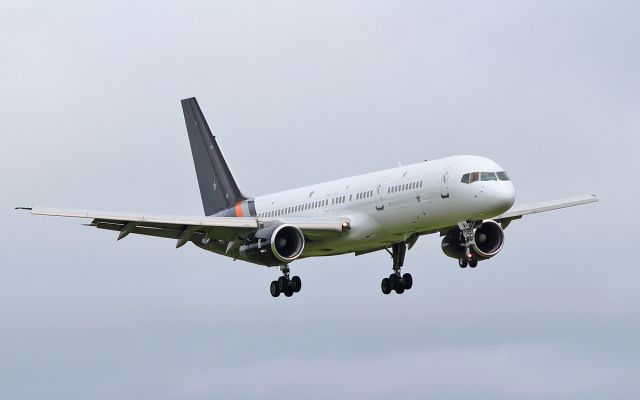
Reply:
x=502, y=196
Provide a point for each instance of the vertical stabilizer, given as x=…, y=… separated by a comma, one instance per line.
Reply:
x=218, y=189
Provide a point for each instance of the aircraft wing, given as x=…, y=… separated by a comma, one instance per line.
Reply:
x=186, y=228
x=519, y=211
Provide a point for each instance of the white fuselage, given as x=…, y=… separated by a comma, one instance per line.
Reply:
x=388, y=206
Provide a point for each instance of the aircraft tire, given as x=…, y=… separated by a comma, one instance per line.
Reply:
x=407, y=281
x=296, y=283
x=274, y=289
x=385, y=286
x=463, y=262
x=394, y=280
x=283, y=283
x=473, y=263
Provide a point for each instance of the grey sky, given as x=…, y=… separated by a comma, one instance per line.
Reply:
x=300, y=92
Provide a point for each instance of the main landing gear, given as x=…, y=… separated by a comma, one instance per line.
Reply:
x=285, y=284
x=396, y=281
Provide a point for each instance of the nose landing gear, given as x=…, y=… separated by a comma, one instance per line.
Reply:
x=463, y=262
x=397, y=281
x=468, y=235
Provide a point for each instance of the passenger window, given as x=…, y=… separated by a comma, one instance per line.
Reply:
x=488, y=176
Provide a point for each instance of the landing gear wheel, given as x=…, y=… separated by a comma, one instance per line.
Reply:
x=394, y=281
x=296, y=282
x=385, y=286
x=463, y=262
x=407, y=281
x=400, y=287
x=473, y=263
x=288, y=291
x=283, y=283
x=274, y=289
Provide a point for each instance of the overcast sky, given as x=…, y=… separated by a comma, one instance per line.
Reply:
x=301, y=92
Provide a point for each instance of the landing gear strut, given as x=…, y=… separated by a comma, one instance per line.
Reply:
x=396, y=281
x=285, y=284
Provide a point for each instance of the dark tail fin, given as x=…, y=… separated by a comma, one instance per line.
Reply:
x=218, y=189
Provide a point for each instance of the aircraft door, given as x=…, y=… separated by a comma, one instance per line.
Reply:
x=330, y=203
x=444, y=183
x=379, y=193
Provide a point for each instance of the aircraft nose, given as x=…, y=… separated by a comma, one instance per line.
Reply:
x=504, y=196
x=499, y=198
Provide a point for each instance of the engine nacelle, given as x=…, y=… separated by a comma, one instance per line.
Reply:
x=489, y=239
x=274, y=245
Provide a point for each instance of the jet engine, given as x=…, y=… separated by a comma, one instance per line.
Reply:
x=274, y=245
x=488, y=237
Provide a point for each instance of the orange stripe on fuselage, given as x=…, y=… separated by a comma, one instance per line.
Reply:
x=239, y=212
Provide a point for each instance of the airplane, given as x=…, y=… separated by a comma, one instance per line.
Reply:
x=466, y=199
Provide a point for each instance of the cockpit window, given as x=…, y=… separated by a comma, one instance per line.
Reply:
x=470, y=177
x=484, y=176
x=488, y=176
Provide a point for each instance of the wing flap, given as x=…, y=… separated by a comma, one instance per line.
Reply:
x=141, y=230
